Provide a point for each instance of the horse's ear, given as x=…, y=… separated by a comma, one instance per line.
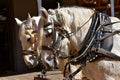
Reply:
x=36, y=21
x=51, y=11
x=29, y=17
x=58, y=5
x=44, y=13
x=19, y=22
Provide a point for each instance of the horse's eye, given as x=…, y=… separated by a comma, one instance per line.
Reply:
x=28, y=39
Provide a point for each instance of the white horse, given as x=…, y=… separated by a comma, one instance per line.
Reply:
x=44, y=21
x=28, y=37
x=62, y=46
x=76, y=22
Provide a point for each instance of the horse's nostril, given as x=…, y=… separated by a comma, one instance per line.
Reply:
x=28, y=39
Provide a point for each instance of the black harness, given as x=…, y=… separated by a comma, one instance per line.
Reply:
x=94, y=39
x=97, y=30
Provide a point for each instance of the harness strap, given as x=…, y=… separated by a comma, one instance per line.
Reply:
x=105, y=37
x=70, y=76
x=27, y=52
x=105, y=53
x=111, y=23
x=89, y=39
x=88, y=42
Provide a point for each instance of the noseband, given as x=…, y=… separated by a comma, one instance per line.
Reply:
x=29, y=52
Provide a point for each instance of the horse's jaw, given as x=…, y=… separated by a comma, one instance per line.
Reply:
x=31, y=61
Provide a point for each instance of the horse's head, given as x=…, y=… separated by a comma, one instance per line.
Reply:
x=27, y=35
x=48, y=38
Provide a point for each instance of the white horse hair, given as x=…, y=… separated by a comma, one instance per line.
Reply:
x=73, y=18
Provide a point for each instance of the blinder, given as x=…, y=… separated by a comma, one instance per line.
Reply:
x=48, y=24
x=47, y=29
x=56, y=37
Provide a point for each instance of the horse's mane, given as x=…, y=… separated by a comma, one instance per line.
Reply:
x=76, y=15
x=74, y=7
x=72, y=18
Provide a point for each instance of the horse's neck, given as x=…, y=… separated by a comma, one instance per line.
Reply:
x=80, y=33
x=76, y=40
x=72, y=19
